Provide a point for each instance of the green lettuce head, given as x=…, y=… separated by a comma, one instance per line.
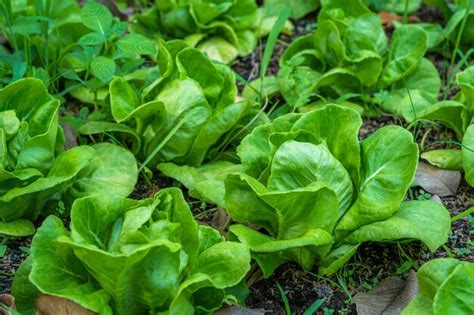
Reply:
x=188, y=115
x=446, y=287
x=223, y=30
x=315, y=192
x=132, y=257
x=33, y=171
x=348, y=58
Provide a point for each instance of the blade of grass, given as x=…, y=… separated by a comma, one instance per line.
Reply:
x=163, y=142
x=461, y=31
x=448, y=251
x=285, y=299
x=314, y=307
x=270, y=46
x=405, y=13
x=463, y=214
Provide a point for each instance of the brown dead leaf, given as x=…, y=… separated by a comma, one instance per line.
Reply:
x=389, y=18
x=437, y=181
x=437, y=199
x=9, y=301
x=388, y=298
x=220, y=220
x=409, y=291
x=377, y=300
x=71, y=139
x=51, y=305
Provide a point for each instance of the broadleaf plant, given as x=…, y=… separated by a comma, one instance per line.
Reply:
x=315, y=192
x=78, y=54
x=349, y=60
x=223, y=30
x=188, y=115
x=446, y=287
x=132, y=257
x=34, y=171
x=456, y=114
x=299, y=8
x=395, y=6
x=458, y=31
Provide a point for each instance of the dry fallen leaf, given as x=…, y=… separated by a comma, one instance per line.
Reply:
x=71, y=139
x=409, y=291
x=9, y=301
x=220, y=220
x=389, y=18
x=437, y=199
x=377, y=300
x=437, y=181
x=390, y=297
x=51, y=305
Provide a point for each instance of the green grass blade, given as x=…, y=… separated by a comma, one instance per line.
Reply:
x=285, y=300
x=272, y=40
x=314, y=307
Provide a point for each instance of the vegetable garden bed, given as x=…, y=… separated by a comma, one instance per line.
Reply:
x=307, y=159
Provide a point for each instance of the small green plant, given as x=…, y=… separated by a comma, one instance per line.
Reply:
x=423, y=195
x=73, y=50
x=456, y=114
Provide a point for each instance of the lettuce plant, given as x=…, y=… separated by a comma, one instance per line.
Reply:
x=460, y=23
x=39, y=33
x=123, y=256
x=395, y=6
x=457, y=33
x=456, y=114
x=84, y=47
x=348, y=57
x=33, y=171
x=446, y=287
x=299, y=8
x=223, y=30
x=315, y=193
x=187, y=115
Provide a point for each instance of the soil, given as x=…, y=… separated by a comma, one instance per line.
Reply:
x=248, y=67
x=429, y=14
x=373, y=261
x=17, y=252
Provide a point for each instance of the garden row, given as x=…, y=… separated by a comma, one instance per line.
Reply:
x=91, y=104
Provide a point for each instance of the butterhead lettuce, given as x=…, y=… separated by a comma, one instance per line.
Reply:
x=313, y=192
x=35, y=171
x=123, y=256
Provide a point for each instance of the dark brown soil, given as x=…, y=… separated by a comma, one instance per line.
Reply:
x=17, y=252
x=429, y=14
x=249, y=66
